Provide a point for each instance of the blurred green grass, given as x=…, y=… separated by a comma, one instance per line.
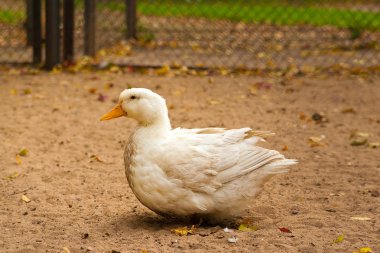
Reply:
x=312, y=12
x=11, y=17
x=269, y=13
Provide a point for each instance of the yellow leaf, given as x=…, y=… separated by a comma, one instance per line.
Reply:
x=247, y=228
x=12, y=176
x=23, y=152
x=360, y=218
x=115, y=69
x=253, y=90
x=365, y=250
x=65, y=250
x=316, y=141
x=18, y=159
x=27, y=91
x=163, y=71
x=214, y=101
x=25, y=199
x=13, y=92
x=374, y=144
x=339, y=239
x=183, y=231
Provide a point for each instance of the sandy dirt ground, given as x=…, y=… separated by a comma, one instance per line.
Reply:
x=79, y=199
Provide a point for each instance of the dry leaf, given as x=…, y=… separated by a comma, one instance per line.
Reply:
x=12, y=176
x=18, y=159
x=13, y=92
x=317, y=141
x=348, y=110
x=365, y=250
x=115, y=69
x=253, y=90
x=65, y=250
x=92, y=90
x=339, y=239
x=108, y=86
x=247, y=228
x=214, y=101
x=163, y=70
x=285, y=148
x=233, y=239
x=176, y=93
x=360, y=218
x=285, y=230
x=25, y=199
x=27, y=91
x=144, y=251
x=184, y=231
x=358, y=142
x=23, y=152
x=102, y=98
x=96, y=158
x=374, y=144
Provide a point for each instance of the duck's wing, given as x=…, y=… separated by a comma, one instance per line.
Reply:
x=203, y=160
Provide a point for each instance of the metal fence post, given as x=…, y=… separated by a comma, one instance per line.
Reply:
x=36, y=35
x=29, y=22
x=89, y=27
x=53, y=44
x=68, y=30
x=131, y=19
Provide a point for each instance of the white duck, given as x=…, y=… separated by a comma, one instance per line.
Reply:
x=210, y=172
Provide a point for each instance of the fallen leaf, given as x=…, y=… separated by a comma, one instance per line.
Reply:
x=102, y=98
x=263, y=85
x=13, y=92
x=23, y=152
x=246, y=228
x=163, y=70
x=143, y=251
x=115, y=69
x=12, y=176
x=18, y=159
x=184, y=231
x=253, y=90
x=359, y=134
x=27, y=91
x=358, y=142
x=365, y=250
x=316, y=141
x=214, y=101
x=25, y=199
x=108, y=86
x=374, y=144
x=348, y=110
x=92, y=90
x=360, y=218
x=176, y=93
x=285, y=148
x=65, y=250
x=285, y=230
x=339, y=239
x=233, y=239
x=96, y=158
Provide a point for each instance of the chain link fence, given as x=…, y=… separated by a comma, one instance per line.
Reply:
x=210, y=33
x=14, y=46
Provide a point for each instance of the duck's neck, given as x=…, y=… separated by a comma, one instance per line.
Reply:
x=158, y=128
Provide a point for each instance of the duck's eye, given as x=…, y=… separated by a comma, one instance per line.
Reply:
x=133, y=97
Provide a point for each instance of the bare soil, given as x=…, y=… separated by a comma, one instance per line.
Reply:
x=79, y=198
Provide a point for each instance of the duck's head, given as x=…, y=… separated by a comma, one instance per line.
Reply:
x=140, y=104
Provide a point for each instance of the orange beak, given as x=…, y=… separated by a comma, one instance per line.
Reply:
x=116, y=112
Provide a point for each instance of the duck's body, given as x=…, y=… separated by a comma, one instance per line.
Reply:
x=212, y=172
